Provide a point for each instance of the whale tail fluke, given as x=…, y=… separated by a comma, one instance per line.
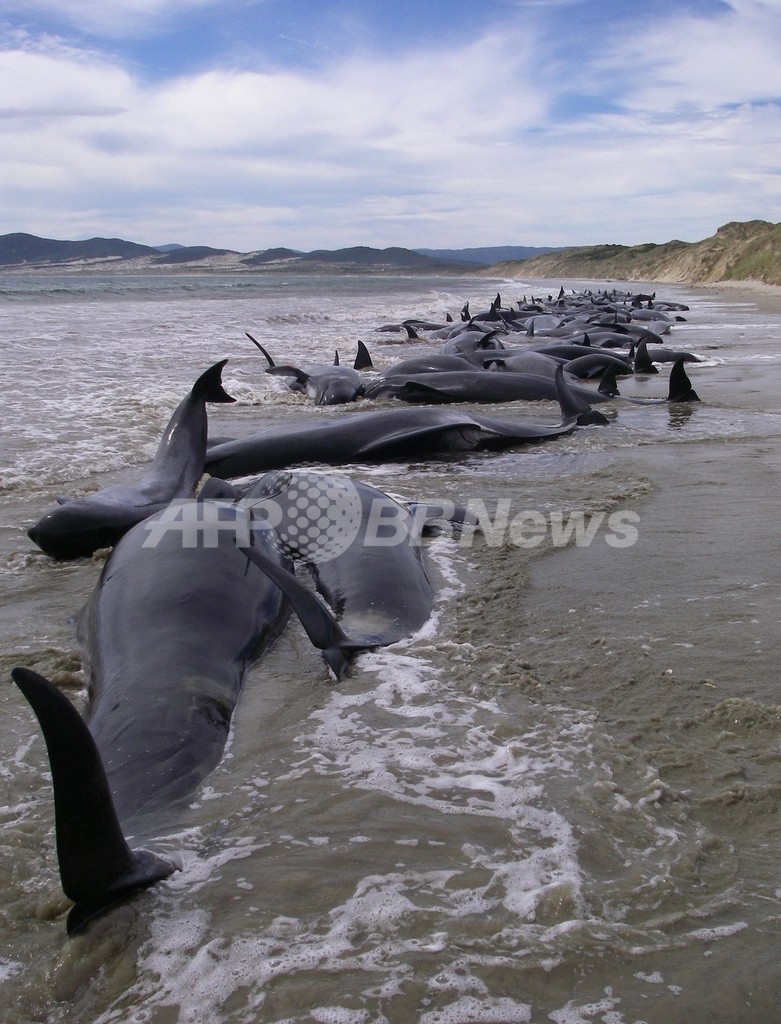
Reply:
x=681, y=389
x=97, y=867
x=209, y=385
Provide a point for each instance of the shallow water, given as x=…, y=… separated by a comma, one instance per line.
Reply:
x=558, y=802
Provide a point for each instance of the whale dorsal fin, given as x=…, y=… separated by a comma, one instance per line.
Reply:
x=363, y=361
x=643, y=362
x=209, y=385
x=681, y=389
x=573, y=407
x=97, y=867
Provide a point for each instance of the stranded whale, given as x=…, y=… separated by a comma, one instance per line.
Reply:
x=389, y=434
x=79, y=527
x=187, y=602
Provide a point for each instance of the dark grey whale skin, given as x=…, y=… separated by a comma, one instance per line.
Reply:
x=391, y=434
x=169, y=633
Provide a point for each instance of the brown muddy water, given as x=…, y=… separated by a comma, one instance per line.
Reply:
x=560, y=801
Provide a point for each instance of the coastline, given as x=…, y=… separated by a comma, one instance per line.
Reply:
x=766, y=295
x=770, y=294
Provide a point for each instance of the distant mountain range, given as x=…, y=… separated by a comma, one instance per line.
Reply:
x=739, y=251
x=30, y=252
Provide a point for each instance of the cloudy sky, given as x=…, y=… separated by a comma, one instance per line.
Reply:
x=247, y=124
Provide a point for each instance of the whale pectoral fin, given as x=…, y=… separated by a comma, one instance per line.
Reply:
x=319, y=621
x=214, y=488
x=254, y=341
x=681, y=389
x=403, y=435
x=433, y=517
x=417, y=390
x=63, y=499
x=97, y=867
x=289, y=371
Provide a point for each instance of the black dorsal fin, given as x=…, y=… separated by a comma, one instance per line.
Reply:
x=643, y=362
x=681, y=389
x=573, y=407
x=209, y=385
x=97, y=867
x=363, y=361
x=607, y=382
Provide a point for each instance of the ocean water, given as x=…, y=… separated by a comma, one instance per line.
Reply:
x=560, y=801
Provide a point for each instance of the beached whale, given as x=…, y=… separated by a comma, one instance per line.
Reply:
x=78, y=527
x=325, y=383
x=187, y=601
x=389, y=434
x=645, y=357
x=477, y=386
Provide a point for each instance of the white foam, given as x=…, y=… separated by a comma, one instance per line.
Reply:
x=479, y=1011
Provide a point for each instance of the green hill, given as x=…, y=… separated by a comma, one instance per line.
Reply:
x=739, y=251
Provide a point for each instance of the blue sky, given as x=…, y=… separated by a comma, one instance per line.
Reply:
x=248, y=124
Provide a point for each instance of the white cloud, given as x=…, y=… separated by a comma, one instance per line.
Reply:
x=443, y=148
x=703, y=63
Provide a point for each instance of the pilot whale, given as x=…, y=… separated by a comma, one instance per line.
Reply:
x=390, y=434
x=78, y=527
x=326, y=384
x=477, y=386
x=186, y=603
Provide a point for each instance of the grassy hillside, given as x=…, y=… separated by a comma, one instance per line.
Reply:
x=739, y=251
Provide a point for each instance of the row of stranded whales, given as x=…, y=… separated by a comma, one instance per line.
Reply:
x=526, y=344
x=195, y=591
x=485, y=387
